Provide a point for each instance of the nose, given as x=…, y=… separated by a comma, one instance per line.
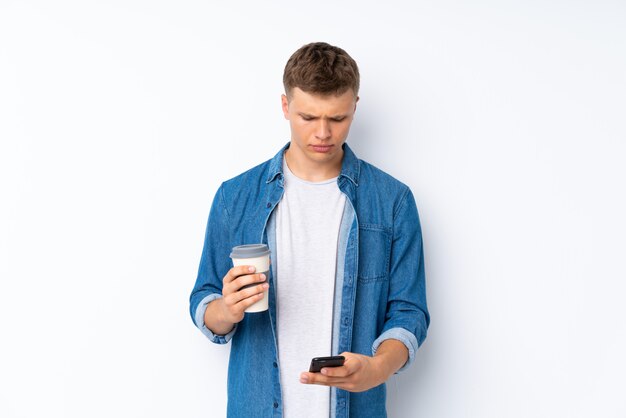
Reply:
x=323, y=129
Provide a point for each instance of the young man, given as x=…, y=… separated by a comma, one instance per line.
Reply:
x=347, y=268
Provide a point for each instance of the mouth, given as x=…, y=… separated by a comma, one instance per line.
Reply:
x=321, y=148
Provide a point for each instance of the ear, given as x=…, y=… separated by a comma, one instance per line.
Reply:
x=285, y=105
x=355, y=102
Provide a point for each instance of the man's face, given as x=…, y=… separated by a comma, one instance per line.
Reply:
x=319, y=126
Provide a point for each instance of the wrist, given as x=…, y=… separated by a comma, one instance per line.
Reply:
x=215, y=318
x=220, y=317
x=391, y=356
x=382, y=367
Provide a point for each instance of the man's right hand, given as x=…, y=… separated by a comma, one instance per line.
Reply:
x=222, y=314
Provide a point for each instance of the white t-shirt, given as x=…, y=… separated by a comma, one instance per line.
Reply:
x=307, y=230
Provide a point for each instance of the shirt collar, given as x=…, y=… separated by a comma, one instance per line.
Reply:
x=349, y=166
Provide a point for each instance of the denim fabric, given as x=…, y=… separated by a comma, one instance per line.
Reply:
x=380, y=284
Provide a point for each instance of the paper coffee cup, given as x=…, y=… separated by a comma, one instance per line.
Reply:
x=257, y=255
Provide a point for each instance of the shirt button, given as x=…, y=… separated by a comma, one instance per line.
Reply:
x=275, y=404
x=275, y=365
x=269, y=204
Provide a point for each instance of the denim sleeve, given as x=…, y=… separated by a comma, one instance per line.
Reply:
x=402, y=335
x=214, y=264
x=407, y=316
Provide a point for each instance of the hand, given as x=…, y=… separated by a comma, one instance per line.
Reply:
x=236, y=300
x=358, y=373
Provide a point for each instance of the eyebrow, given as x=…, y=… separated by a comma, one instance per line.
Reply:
x=306, y=115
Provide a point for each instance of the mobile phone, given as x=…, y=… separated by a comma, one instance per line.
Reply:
x=332, y=361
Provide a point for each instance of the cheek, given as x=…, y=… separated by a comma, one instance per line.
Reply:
x=343, y=129
x=302, y=129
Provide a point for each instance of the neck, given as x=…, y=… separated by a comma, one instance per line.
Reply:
x=311, y=170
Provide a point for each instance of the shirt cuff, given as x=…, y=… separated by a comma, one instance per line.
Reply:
x=402, y=335
x=199, y=320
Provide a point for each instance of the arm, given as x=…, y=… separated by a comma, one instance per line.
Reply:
x=216, y=304
x=407, y=316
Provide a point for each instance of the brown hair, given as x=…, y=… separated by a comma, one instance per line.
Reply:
x=321, y=68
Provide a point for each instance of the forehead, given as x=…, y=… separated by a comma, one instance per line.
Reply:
x=311, y=103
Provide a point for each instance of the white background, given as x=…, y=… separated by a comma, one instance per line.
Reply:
x=119, y=119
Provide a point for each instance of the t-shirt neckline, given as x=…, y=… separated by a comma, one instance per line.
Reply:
x=291, y=176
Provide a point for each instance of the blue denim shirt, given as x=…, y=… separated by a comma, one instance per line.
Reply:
x=379, y=288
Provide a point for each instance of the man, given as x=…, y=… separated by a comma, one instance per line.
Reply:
x=347, y=270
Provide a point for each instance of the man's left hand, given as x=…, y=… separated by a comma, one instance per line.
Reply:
x=358, y=373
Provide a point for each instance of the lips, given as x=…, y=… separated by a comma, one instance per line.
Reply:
x=321, y=148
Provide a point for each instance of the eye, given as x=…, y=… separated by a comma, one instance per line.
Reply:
x=307, y=118
x=338, y=119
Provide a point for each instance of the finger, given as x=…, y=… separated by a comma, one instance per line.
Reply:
x=251, y=291
x=245, y=303
x=319, y=379
x=235, y=272
x=352, y=363
x=243, y=282
x=314, y=378
x=247, y=280
x=345, y=383
x=240, y=294
x=341, y=371
x=350, y=366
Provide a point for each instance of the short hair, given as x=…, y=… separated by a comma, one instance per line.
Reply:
x=320, y=68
